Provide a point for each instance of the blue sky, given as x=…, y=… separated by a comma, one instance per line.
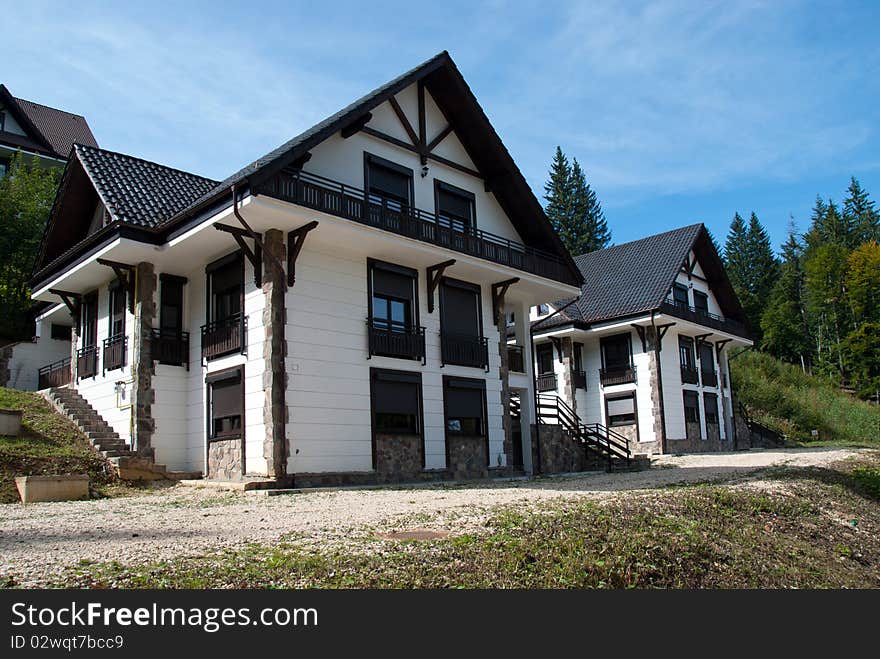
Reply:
x=679, y=111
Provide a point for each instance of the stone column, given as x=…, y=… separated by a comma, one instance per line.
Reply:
x=567, y=384
x=74, y=340
x=142, y=368
x=504, y=374
x=656, y=384
x=275, y=448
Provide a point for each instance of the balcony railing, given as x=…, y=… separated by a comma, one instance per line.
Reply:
x=87, y=362
x=689, y=375
x=335, y=198
x=547, y=382
x=579, y=379
x=515, y=360
x=404, y=343
x=710, y=378
x=114, y=353
x=464, y=350
x=610, y=377
x=701, y=317
x=224, y=337
x=56, y=374
x=170, y=348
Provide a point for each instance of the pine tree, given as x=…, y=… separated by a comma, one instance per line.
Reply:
x=573, y=207
x=835, y=228
x=764, y=268
x=860, y=214
x=737, y=262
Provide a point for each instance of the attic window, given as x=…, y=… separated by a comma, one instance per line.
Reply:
x=455, y=207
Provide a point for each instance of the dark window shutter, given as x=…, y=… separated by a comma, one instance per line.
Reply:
x=460, y=311
x=226, y=397
x=392, y=284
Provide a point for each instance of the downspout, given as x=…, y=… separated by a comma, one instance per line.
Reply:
x=535, y=382
x=662, y=409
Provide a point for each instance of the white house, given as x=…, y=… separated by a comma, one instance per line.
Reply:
x=332, y=313
x=642, y=354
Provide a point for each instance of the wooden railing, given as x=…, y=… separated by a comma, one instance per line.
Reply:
x=612, y=376
x=114, y=353
x=689, y=375
x=404, y=343
x=336, y=198
x=224, y=337
x=547, y=382
x=56, y=374
x=87, y=362
x=701, y=317
x=170, y=348
x=464, y=350
x=515, y=359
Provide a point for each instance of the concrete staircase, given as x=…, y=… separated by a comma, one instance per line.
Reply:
x=106, y=441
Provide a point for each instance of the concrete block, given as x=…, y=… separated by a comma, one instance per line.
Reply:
x=67, y=487
x=10, y=423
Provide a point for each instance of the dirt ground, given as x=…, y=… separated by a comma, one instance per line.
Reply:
x=38, y=541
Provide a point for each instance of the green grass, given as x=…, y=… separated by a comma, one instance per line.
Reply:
x=48, y=444
x=822, y=531
x=782, y=397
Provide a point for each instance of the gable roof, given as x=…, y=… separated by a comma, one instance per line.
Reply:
x=634, y=278
x=50, y=131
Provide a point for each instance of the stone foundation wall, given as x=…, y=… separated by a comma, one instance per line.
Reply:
x=224, y=460
x=467, y=457
x=713, y=431
x=692, y=431
x=559, y=453
x=696, y=445
x=399, y=456
x=5, y=357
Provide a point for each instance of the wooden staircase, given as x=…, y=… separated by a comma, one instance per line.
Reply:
x=106, y=441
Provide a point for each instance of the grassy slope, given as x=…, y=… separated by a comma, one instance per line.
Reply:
x=782, y=397
x=817, y=528
x=49, y=444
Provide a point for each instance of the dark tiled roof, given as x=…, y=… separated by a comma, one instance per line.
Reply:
x=60, y=129
x=627, y=279
x=138, y=191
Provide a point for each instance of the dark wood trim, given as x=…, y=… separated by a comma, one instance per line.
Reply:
x=454, y=189
x=442, y=135
x=557, y=343
x=295, y=241
x=661, y=332
x=430, y=156
x=404, y=121
x=620, y=396
x=399, y=269
x=210, y=269
x=164, y=276
x=211, y=378
x=125, y=275
x=420, y=89
x=433, y=275
x=71, y=300
x=446, y=433
x=421, y=416
x=355, y=126
x=255, y=256
x=388, y=164
x=499, y=291
x=468, y=286
x=719, y=346
x=640, y=330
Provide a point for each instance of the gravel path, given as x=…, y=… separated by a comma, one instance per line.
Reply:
x=40, y=540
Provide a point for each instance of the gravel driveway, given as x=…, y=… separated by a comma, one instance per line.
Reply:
x=41, y=539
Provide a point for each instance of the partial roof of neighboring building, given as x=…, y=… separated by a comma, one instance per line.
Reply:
x=634, y=278
x=49, y=131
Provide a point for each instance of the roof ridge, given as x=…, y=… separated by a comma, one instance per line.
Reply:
x=49, y=107
x=77, y=146
x=639, y=240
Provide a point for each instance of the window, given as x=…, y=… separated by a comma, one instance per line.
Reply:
x=225, y=286
x=117, y=310
x=543, y=309
x=616, y=352
x=621, y=410
x=545, y=358
x=396, y=398
x=701, y=302
x=691, y=407
x=387, y=183
x=710, y=403
x=578, y=357
x=394, y=296
x=89, y=320
x=465, y=402
x=455, y=207
x=226, y=404
x=680, y=295
x=707, y=358
x=171, y=305
x=686, y=352
x=61, y=332
x=461, y=325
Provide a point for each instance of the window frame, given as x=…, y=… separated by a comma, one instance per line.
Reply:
x=174, y=280
x=635, y=413
x=705, y=345
x=543, y=309
x=689, y=341
x=378, y=375
x=714, y=407
x=541, y=350
x=89, y=302
x=210, y=380
x=606, y=340
x=370, y=159
x=66, y=334
x=687, y=393
x=210, y=271
x=700, y=295
x=414, y=320
x=470, y=197
x=681, y=303
x=114, y=292
x=463, y=285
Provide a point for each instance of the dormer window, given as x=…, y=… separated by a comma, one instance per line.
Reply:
x=455, y=207
x=680, y=295
x=388, y=184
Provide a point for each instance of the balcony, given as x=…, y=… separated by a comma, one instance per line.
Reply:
x=400, y=342
x=709, y=378
x=224, y=337
x=56, y=374
x=704, y=318
x=345, y=201
x=612, y=376
x=547, y=382
x=464, y=350
x=114, y=352
x=579, y=379
x=689, y=375
x=170, y=348
x=515, y=360
x=87, y=362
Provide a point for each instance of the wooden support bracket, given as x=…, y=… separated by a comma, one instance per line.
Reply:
x=434, y=272
x=73, y=301
x=640, y=330
x=557, y=343
x=719, y=346
x=255, y=255
x=661, y=332
x=125, y=274
x=499, y=290
x=295, y=240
